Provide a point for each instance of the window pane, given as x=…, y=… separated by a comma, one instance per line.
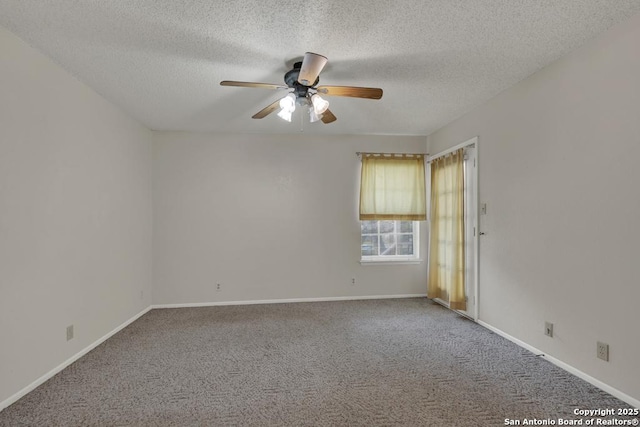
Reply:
x=406, y=226
x=369, y=227
x=388, y=239
x=405, y=244
x=386, y=226
x=369, y=245
x=388, y=244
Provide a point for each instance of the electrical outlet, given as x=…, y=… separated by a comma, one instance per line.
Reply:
x=353, y=280
x=483, y=209
x=218, y=287
x=548, y=329
x=603, y=351
x=69, y=332
x=141, y=294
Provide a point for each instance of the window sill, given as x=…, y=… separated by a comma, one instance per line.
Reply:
x=379, y=261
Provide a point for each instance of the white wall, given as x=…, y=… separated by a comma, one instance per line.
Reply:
x=558, y=164
x=75, y=215
x=268, y=217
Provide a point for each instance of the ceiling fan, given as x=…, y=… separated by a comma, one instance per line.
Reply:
x=303, y=90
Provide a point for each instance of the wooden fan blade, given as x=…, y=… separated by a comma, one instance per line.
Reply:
x=251, y=84
x=312, y=64
x=267, y=110
x=328, y=117
x=355, y=92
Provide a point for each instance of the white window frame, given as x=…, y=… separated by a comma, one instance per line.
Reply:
x=395, y=259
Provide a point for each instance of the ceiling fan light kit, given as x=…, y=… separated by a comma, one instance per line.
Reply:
x=319, y=105
x=302, y=84
x=313, y=116
x=287, y=107
x=285, y=115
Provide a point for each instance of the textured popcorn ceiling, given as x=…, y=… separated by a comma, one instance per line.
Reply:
x=162, y=60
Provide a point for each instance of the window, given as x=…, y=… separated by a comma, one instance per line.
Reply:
x=392, y=187
x=388, y=240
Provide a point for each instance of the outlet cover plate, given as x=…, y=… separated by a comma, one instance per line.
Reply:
x=603, y=351
x=69, y=332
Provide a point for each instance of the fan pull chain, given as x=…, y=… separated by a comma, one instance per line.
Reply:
x=301, y=122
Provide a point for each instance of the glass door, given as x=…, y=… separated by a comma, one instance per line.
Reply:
x=471, y=230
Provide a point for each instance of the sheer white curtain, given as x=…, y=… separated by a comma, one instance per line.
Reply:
x=446, y=233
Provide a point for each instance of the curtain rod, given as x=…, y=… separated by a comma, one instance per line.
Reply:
x=470, y=143
x=359, y=153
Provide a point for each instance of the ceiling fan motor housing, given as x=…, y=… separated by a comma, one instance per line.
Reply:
x=291, y=79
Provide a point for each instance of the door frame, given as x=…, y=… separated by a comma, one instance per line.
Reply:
x=472, y=314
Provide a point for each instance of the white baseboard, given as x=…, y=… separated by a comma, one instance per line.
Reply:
x=588, y=378
x=288, y=300
x=12, y=399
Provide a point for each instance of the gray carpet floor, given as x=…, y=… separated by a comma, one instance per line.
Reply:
x=405, y=362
